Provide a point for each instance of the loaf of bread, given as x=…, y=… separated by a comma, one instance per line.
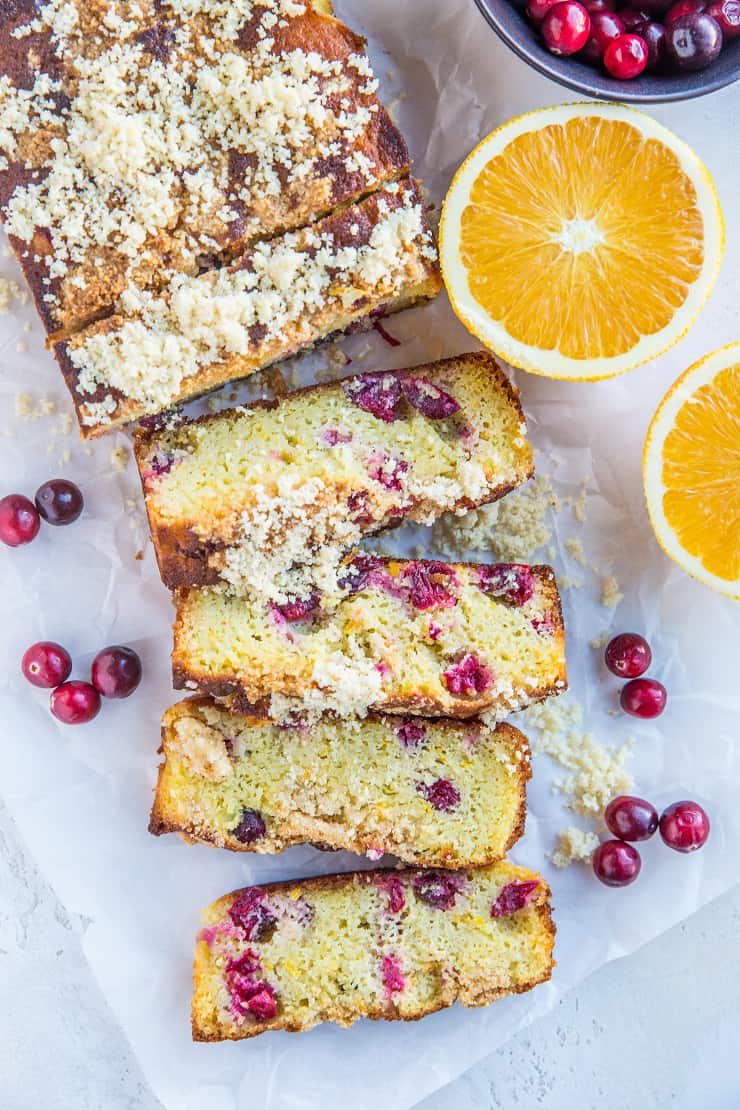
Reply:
x=421, y=637
x=379, y=944
x=435, y=793
x=257, y=495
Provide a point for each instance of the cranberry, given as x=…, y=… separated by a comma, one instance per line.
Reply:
x=512, y=582
x=19, y=520
x=333, y=436
x=632, y=16
x=631, y=818
x=727, y=15
x=116, y=671
x=75, y=703
x=656, y=7
x=251, y=827
x=599, y=6
x=538, y=9
x=393, y=888
x=684, y=826
x=361, y=572
x=513, y=897
x=262, y=1003
x=378, y=394
x=605, y=26
x=628, y=655
x=654, y=36
x=469, y=676
x=393, y=979
x=438, y=888
x=299, y=608
x=566, y=27
x=693, y=41
x=46, y=664
x=158, y=467
x=616, y=863
x=250, y=995
x=252, y=913
x=681, y=8
x=430, y=585
x=386, y=470
x=411, y=734
x=442, y=795
x=428, y=399
x=626, y=57
x=643, y=697
x=59, y=501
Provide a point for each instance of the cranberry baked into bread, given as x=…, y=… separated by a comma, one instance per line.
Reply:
x=256, y=495
x=422, y=637
x=379, y=944
x=433, y=792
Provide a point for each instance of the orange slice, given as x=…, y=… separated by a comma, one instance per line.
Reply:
x=691, y=471
x=581, y=240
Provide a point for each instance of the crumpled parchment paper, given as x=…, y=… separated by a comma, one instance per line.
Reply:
x=81, y=796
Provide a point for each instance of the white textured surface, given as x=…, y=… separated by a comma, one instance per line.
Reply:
x=658, y=1030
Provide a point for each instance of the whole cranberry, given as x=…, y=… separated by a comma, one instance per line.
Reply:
x=75, y=703
x=19, y=521
x=626, y=57
x=643, y=697
x=538, y=9
x=654, y=36
x=628, y=655
x=631, y=818
x=566, y=27
x=683, y=7
x=616, y=863
x=46, y=664
x=59, y=501
x=692, y=42
x=605, y=26
x=116, y=672
x=684, y=826
x=632, y=16
x=600, y=6
x=656, y=7
x=727, y=15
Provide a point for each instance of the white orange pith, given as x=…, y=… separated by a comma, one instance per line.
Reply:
x=581, y=240
x=691, y=470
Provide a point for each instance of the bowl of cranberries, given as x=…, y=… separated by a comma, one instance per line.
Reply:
x=631, y=50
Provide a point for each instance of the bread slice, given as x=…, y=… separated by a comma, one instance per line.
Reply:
x=435, y=793
x=379, y=944
x=278, y=298
x=438, y=639
x=251, y=495
x=146, y=140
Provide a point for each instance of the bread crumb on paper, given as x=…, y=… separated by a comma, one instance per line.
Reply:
x=10, y=292
x=119, y=457
x=600, y=641
x=512, y=529
x=29, y=407
x=611, y=595
x=574, y=547
x=573, y=845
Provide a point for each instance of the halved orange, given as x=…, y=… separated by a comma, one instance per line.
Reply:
x=691, y=470
x=581, y=240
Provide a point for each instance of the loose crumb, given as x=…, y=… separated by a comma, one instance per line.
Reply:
x=28, y=407
x=10, y=291
x=573, y=845
x=21, y=346
x=512, y=529
x=611, y=595
x=600, y=641
x=119, y=457
x=574, y=547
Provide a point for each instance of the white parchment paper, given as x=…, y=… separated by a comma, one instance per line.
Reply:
x=81, y=796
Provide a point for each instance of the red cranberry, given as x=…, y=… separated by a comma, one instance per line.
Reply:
x=428, y=399
x=430, y=585
x=299, y=608
x=513, y=897
x=442, y=795
x=681, y=8
x=19, y=520
x=116, y=672
x=538, y=9
x=411, y=734
x=655, y=7
x=75, y=703
x=605, y=26
x=393, y=979
x=566, y=27
x=438, y=888
x=392, y=887
x=692, y=42
x=469, y=676
x=626, y=57
x=512, y=582
x=632, y=16
x=378, y=394
x=59, y=501
x=643, y=697
x=386, y=470
x=251, y=912
x=628, y=655
x=654, y=36
x=262, y=1003
x=599, y=6
x=251, y=827
x=616, y=863
x=46, y=664
x=727, y=15
x=684, y=826
x=631, y=818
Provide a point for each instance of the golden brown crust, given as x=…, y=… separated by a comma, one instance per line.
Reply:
x=471, y=995
x=183, y=556
x=246, y=698
x=165, y=817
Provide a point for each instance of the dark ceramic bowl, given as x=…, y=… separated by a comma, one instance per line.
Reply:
x=511, y=24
